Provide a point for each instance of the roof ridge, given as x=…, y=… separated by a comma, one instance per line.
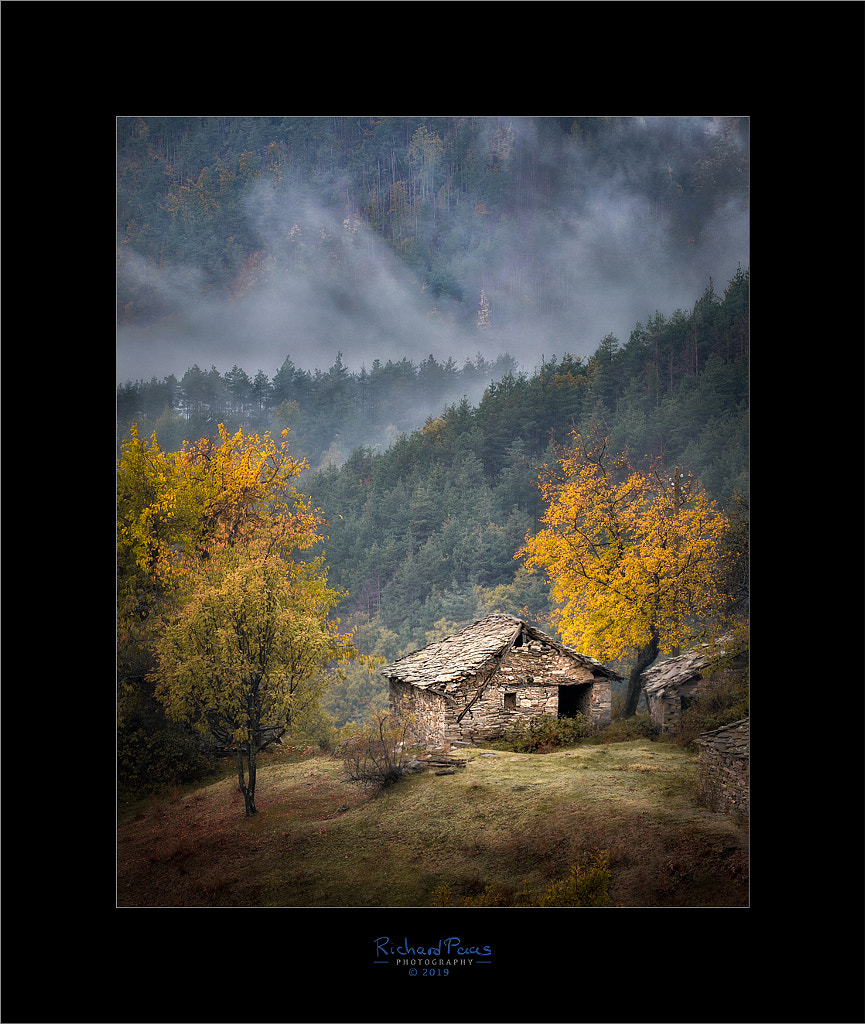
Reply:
x=484, y=638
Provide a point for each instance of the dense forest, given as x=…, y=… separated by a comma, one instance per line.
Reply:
x=425, y=464
x=423, y=525
x=418, y=182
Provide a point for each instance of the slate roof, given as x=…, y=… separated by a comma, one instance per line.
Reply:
x=666, y=676
x=463, y=654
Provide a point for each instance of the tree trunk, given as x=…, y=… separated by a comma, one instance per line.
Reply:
x=645, y=656
x=247, y=788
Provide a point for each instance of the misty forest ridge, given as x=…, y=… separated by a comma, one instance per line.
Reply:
x=423, y=525
x=243, y=240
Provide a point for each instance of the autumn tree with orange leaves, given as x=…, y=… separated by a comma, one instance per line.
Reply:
x=212, y=545
x=634, y=555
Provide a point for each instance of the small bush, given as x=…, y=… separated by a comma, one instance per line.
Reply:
x=489, y=897
x=151, y=757
x=622, y=730
x=377, y=757
x=587, y=884
x=722, y=700
x=314, y=728
x=546, y=733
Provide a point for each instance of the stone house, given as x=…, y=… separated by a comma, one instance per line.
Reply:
x=723, y=768
x=485, y=679
x=671, y=685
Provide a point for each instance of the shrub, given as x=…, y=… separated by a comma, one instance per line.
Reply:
x=377, y=757
x=622, y=730
x=587, y=884
x=546, y=733
x=152, y=757
x=722, y=700
x=314, y=728
x=489, y=897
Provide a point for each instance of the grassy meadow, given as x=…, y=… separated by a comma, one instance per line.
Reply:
x=504, y=819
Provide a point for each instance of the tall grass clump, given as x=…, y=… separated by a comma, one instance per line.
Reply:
x=587, y=884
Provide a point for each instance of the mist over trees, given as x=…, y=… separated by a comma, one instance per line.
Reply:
x=430, y=304
x=242, y=240
x=329, y=411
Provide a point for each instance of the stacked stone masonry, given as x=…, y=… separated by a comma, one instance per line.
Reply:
x=496, y=687
x=672, y=684
x=724, y=768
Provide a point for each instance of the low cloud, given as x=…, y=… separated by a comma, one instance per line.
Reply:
x=590, y=259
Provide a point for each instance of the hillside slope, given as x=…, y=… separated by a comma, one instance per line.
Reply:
x=503, y=819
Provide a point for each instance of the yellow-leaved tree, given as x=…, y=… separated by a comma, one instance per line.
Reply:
x=634, y=555
x=173, y=502
x=253, y=640
x=170, y=502
x=218, y=609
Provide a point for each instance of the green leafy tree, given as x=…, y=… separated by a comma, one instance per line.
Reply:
x=251, y=644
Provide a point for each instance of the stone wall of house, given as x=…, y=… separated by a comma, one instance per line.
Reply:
x=536, y=662
x=426, y=710
x=665, y=710
x=492, y=715
x=601, y=704
x=723, y=768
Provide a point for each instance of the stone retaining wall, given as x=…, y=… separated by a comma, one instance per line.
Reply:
x=724, y=768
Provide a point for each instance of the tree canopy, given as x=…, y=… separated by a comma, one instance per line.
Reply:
x=217, y=584
x=423, y=523
x=251, y=643
x=450, y=195
x=634, y=554
x=424, y=460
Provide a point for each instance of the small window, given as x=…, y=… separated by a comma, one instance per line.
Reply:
x=510, y=700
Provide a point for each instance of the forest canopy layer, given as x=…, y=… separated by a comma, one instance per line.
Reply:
x=423, y=525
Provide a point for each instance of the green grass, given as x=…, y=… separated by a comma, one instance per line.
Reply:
x=504, y=820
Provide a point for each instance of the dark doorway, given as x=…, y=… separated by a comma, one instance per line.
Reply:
x=574, y=700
